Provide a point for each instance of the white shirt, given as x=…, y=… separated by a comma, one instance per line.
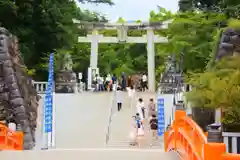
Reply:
x=101, y=80
x=144, y=78
x=139, y=108
x=131, y=92
x=119, y=96
x=108, y=78
x=98, y=79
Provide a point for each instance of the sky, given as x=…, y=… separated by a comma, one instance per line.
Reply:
x=131, y=9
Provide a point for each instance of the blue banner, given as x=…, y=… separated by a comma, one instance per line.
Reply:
x=161, y=120
x=48, y=104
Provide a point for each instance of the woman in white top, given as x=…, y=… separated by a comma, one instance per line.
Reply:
x=119, y=98
x=108, y=82
x=133, y=132
x=131, y=95
x=131, y=92
x=141, y=108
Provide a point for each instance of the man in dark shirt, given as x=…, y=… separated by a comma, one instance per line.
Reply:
x=114, y=82
x=114, y=79
x=153, y=123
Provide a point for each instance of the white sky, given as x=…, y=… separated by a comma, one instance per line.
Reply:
x=131, y=9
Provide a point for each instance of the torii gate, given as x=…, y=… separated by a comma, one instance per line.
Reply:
x=123, y=37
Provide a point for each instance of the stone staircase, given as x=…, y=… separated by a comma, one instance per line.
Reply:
x=156, y=144
x=121, y=126
x=90, y=154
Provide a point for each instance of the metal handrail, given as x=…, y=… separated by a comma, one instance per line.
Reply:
x=110, y=118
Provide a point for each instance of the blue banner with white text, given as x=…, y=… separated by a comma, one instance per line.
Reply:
x=48, y=104
x=161, y=119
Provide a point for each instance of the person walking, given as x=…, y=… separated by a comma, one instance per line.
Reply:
x=151, y=108
x=107, y=82
x=140, y=130
x=153, y=123
x=119, y=98
x=133, y=132
x=144, y=83
x=114, y=82
x=141, y=108
x=95, y=82
x=101, y=84
x=131, y=95
x=123, y=81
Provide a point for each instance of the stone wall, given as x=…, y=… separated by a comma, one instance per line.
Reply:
x=18, y=97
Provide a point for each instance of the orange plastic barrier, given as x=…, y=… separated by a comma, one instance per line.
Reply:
x=10, y=140
x=188, y=139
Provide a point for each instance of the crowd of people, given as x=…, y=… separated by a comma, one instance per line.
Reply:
x=111, y=82
x=144, y=120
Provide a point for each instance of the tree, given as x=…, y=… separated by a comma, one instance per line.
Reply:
x=219, y=88
x=190, y=33
x=43, y=27
x=229, y=7
x=97, y=1
x=185, y=5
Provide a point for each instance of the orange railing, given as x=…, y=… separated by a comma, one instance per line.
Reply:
x=190, y=142
x=10, y=140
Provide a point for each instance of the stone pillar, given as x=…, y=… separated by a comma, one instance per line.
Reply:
x=94, y=50
x=218, y=113
x=93, y=57
x=151, y=60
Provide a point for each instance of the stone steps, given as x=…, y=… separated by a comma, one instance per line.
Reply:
x=90, y=154
x=156, y=144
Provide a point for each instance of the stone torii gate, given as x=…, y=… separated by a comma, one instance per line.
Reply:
x=123, y=37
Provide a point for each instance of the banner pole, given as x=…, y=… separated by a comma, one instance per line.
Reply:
x=48, y=107
x=54, y=122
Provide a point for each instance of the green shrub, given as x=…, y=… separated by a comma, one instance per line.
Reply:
x=234, y=24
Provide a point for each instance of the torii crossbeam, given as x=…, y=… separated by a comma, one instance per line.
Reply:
x=150, y=39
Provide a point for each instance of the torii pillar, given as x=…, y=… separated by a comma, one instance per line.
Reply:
x=93, y=58
x=151, y=60
x=94, y=50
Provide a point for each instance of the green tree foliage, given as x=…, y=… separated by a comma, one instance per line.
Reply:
x=190, y=33
x=97, y=1
x=44, y=26
x=185, y=5
x=229, y=7
x=219, y=88
x=219, y=85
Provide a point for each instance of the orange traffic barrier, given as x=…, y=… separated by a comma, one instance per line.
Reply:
x=189, y=140
x=10, y=140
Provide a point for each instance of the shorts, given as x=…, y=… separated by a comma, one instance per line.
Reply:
x=154, y=133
